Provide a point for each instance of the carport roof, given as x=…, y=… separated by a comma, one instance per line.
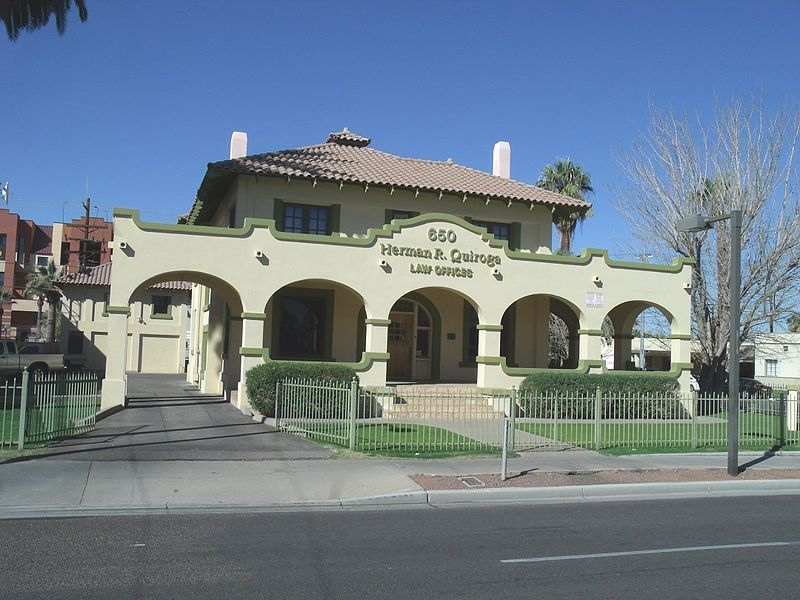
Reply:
x=101, y=276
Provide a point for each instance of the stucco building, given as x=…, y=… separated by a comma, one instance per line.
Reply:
x=405, y=269
x=156, y=341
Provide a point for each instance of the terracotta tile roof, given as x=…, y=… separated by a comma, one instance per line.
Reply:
x=345, y=157
x=101, y=276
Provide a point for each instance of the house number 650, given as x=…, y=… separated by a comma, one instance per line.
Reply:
x=440, y=235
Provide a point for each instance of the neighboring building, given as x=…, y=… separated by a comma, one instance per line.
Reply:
x=777, y=358
x=157, y=335
x=405, y=269
x=25, y=245
x=85, y=243
x=657, y=353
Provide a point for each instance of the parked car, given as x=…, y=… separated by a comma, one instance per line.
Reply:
x=13, y=360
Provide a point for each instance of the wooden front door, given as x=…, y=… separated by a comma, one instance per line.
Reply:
x=401, y=346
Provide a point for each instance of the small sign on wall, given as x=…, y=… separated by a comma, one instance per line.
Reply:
x=594, y=299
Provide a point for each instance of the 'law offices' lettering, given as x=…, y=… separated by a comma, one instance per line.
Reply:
x=454, y=256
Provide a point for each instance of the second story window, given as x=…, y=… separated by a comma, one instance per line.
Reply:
x=302, y=218
x=501, y=231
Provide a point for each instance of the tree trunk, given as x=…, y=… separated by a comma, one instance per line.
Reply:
x=39, y=305
x=51, y=320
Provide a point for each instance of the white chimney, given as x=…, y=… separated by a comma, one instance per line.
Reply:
x=238, y=144
x=501, y=160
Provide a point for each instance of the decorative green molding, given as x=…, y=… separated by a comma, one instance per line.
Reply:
x=161, y=317
x=591, y=332
x=583, y=366
x=118, y=310
x=673, y=373
x=378, y=322
x=388, y=231
x=367, y=358
x=254, y=316
x=681, y=336
x=496, y=328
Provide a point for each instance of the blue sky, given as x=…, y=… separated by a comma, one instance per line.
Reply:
x=144, y=94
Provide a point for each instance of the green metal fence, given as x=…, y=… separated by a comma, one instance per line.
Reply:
x=40, y=407
x=434, y=419
x=10, y=401
x=391, y=420
x=651, y=421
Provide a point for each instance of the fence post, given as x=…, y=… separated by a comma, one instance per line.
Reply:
x=598, y=409
x=694, y=419
x=513, y=414
x=278, y=399
x=353, y=411
x=23, y=409
x=782, y=420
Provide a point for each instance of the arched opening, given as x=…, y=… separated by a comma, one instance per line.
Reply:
x=182, y=323
x=540, y=331
x=637, y=337
x=315, y=320
x=432, y=336
x=211, y=331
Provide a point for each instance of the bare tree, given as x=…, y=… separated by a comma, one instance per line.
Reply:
x=559, y=341
x=741, y=158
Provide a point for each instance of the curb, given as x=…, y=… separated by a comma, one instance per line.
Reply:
x=443, y=498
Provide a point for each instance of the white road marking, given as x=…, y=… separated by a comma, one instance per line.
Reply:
x=655, y=551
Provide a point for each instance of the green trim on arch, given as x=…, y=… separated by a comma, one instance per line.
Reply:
x=673, y=373
x=591, y=332
x=583, y=366
x=389, y=230
x=117, y=310
x=681, y=336
x=366, y=362
x=496, y=328
x=378, y=322
x=254, y=316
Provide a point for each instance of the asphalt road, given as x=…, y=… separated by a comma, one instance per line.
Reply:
x=416, y=553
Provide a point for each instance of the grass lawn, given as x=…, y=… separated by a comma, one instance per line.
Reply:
x=402, y=440
x=9, y=426
x=756, y=432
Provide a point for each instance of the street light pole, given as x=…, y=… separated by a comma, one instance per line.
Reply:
x=701, y=223
x=733, y=352
x=642, y=257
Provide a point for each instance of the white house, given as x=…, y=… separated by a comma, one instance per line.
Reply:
x=777, y=358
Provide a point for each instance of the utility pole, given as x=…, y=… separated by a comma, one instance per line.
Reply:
x=88, y=247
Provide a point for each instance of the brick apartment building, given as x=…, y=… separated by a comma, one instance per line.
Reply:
x=24, y=245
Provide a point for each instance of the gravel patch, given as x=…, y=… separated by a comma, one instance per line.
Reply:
x=534, y=479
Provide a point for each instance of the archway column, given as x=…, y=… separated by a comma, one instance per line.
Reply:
x=115, y=382
x=252, y=332
x=591, y=347
x=490, y=372
x=377, y=343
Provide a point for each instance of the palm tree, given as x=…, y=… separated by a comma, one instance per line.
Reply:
x=6, y=297
x=42, y=286
x=34, y=14
x=569, y=179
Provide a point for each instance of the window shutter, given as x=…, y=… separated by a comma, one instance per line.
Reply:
x=335, y=216
x=277, y=213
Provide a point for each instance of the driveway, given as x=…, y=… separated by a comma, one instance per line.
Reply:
x=168, y=419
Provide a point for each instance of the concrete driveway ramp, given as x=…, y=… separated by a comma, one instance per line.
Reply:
x=167, y=419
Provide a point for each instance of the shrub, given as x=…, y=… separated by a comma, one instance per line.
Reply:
x=572, y=395
x=260, y=381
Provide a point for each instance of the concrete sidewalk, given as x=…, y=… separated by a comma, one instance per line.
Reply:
x=45, y=487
